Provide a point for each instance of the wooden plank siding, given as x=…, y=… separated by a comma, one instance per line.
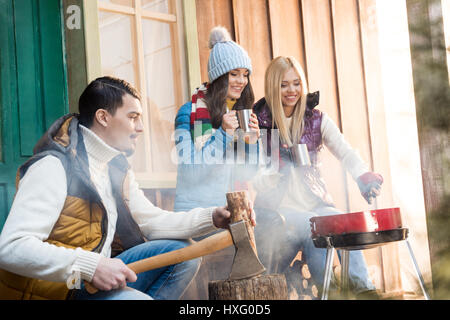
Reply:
x=378, y=135
x=321, y=66
x=350, y=87
x=252, y=19
x=285, y=17
x=209, y=14
x=336, y=42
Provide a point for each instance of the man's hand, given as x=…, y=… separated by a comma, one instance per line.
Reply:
x=112, y=274
x=221, y=216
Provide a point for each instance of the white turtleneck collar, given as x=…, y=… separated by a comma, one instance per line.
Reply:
x=96, y=147
x=99, y=155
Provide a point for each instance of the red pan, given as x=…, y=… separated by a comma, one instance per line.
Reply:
x=358, y=230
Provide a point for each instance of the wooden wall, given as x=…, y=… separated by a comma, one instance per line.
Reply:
x=337, y=44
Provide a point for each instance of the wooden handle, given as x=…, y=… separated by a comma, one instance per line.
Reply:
x=90, y=288
x=201, y=248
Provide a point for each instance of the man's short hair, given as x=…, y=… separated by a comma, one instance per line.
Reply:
x=103, y=93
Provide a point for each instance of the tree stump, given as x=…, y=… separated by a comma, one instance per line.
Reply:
x=265, y=287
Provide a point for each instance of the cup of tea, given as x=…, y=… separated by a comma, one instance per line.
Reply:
x=300, y=155
x=243, y=116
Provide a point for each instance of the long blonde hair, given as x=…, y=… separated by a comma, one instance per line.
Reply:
x=272, y=90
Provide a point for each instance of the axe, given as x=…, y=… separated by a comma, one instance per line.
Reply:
x=245, y=262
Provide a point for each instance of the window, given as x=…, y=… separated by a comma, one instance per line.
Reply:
x=141, y=42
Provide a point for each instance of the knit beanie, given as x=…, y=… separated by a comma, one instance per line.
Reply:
x=225, y=54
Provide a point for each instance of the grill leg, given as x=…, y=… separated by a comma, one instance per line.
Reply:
x=345, y=256
x=418, y=273
x=328, y=271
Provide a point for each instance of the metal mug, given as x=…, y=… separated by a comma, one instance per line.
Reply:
x=300, y=155
x=244, y=119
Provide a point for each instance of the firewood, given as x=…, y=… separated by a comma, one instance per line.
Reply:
x=238, y=205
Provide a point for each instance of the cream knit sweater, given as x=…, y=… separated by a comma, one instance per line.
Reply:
x=40, y=198
x=297, y=197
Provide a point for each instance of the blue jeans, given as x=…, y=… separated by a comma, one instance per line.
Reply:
x=299, y=238
x=166, y=283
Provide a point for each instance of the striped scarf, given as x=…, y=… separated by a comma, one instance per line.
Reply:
x=200, y=122
x=201, y=127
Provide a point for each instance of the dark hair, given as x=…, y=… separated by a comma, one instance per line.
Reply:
x=216, y=97
x=103, y=93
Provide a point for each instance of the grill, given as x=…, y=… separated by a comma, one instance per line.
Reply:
x=358, y=231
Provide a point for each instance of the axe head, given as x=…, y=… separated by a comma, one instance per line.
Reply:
x=245, y=263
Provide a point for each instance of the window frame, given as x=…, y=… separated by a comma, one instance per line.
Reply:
x=185, y=56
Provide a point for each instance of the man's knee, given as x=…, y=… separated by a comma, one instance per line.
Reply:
x=193, y=264
x=179, y=244
x=133, y=294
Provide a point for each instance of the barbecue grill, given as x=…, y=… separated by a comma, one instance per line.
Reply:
x=358, y=231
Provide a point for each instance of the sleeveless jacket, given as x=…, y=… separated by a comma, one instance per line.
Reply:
x=312, y=137
x=83, y=220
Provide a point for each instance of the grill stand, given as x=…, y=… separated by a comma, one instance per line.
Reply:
x=328, y=271
x=345, y=257
x=418, y=273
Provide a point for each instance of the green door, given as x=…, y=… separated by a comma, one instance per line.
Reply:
x=33, y=86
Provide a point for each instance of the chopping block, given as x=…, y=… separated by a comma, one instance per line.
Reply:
x=247, y=286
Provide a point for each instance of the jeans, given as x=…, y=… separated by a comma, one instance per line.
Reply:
x=297, y=236
x=166, y=283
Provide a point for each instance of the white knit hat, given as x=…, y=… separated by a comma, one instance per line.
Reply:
x=225, y=54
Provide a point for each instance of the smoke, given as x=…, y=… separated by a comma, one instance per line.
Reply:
x=275, y=250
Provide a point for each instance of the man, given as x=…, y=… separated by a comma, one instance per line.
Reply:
x=78, y=214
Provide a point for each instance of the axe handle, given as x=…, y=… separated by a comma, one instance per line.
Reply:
x=201, y=248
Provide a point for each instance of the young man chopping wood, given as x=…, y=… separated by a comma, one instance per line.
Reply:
x=78, y=215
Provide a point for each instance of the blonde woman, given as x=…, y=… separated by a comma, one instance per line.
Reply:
x=299, y=193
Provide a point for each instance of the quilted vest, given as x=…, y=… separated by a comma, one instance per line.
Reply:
x=312, y=137
x=83, y=220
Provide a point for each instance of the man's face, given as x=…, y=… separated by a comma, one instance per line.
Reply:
x=125, y=126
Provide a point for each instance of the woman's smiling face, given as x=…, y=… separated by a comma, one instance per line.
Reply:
x=237, y=81
x=290, y=88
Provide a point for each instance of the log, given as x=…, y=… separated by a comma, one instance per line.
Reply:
x=264, y=287
x=238, y=205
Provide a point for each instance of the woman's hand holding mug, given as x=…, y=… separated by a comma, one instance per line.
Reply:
x=230, y=122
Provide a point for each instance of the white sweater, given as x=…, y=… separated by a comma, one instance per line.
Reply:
x=40, y=198
x=297, y=197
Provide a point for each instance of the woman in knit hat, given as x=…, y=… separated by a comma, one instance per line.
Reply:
x=205, y=129
x=299, y=192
